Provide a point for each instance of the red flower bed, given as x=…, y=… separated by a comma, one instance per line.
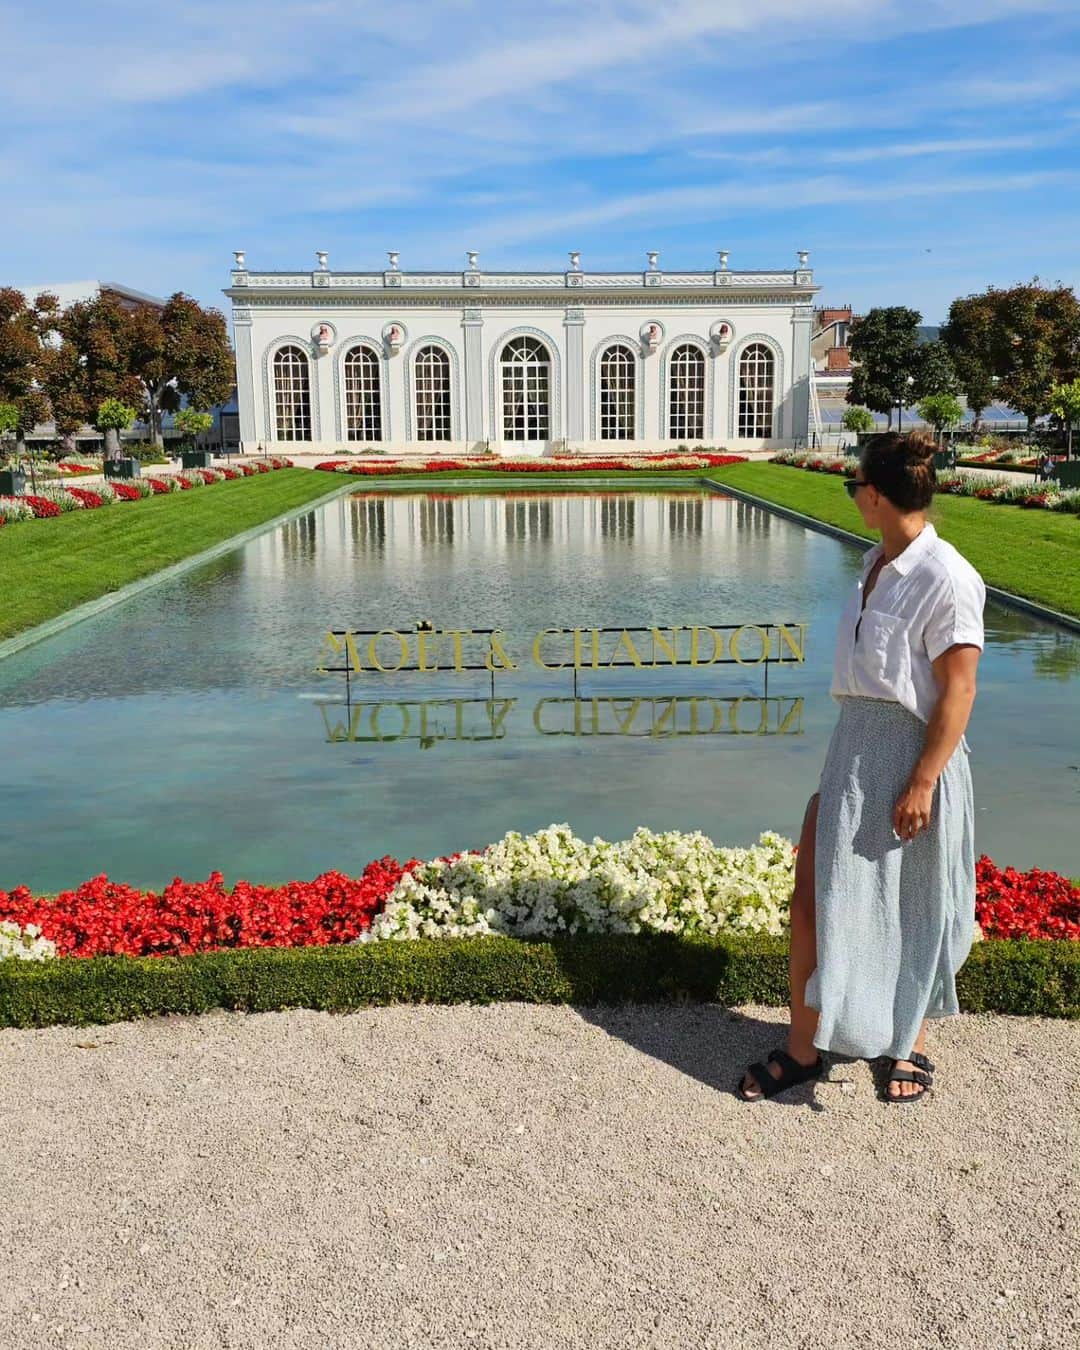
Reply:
x=229, y=473
x=553, y=465
x=125, y=492
x=158, y=486
x=185, y=486
x=41, y=506
x=74, y=470
x=106, y=918
x=85, y=496
x=1035, y=904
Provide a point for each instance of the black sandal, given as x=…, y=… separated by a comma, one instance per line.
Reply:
x=792, y=1073
x=922, y=1074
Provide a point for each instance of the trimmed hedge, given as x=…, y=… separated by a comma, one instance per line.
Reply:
x=1027, y=978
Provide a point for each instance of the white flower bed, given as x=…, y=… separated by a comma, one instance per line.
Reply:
x=551, y=882
x=14, y=508
x=24, y=944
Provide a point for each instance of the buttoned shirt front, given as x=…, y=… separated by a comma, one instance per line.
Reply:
x=927, y=599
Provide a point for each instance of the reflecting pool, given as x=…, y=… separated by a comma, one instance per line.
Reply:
x=187, y=729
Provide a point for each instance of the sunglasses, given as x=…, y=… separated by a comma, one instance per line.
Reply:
x=852, y=485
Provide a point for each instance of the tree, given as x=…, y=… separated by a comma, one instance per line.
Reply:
x=883, y=352
x=1019, y=342
x=857, y=419
x=112, y=418
x=967, y=335
x=934, y=371
x=941, y=411
x=1037, y=344
x=90, y=365
x=22, y=328
x=182, y=349
x=192, y=422
x=1065, y=405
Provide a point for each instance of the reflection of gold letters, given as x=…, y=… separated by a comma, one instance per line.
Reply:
x=497, y=652
x=753, y=627
x=624, y=637
x=457, y=634
x=695, y=633
x=794, y=714
x=376, y=730
x=665, y=717
x=539, y=660
x=596, y=649
x=763, y=722
x=669, y=648
x=625, y=723
x=785, y=637
x=372, y=649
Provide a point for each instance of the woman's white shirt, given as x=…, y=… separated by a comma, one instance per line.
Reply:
x=923, y=602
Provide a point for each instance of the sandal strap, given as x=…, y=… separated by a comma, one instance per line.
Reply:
x=922, y=1062
x=910, y=1076
x=767, y=1084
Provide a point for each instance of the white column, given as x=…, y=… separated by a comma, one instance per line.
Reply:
x=574, y=418
x=247, y=379
x=472, y=323
x=325, y=428
x=801, y=320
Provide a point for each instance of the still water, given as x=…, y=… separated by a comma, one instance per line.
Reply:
x=188, y=730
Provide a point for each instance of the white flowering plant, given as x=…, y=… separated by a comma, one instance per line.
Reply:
x=24, y=944
x=552, y=882
x=15, y=508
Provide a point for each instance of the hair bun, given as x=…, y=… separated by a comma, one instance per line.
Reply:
x=921, y=446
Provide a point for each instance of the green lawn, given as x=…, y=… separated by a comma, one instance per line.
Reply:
x=1031, y=553
x=50, y=566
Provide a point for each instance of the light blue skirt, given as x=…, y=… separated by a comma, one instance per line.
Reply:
x=895, y=920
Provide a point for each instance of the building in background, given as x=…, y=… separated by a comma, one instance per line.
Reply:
x=522, y=362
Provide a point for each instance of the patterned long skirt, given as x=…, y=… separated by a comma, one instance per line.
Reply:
x=895, y=919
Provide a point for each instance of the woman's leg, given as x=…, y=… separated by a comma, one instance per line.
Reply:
x=803, y=952
x=910, y=1089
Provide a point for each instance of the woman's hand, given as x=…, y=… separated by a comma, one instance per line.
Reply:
x=912, y=810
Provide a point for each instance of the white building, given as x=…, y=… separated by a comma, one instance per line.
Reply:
x=526, y=362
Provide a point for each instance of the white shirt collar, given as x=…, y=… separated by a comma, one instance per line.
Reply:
x=905, y=561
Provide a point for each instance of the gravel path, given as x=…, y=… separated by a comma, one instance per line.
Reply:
x=515, y=1176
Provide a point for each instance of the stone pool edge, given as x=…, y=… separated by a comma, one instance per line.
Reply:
x=1006, y=598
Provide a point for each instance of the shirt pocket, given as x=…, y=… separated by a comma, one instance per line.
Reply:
x=883, y=649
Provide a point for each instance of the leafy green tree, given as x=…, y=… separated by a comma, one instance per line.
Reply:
x=22, y=330
x=182, y=349
x=90, y=364
x=883, y=347
x=1022, y=340
x=112, y=418
x=857, y=419
x=192, y=422
x=941, y=411
x=968, y=336
x=1065, y=405
x=934, y=371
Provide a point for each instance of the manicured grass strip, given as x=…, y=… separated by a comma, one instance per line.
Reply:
x=49, y=566
x=1024, y=978
x=1031, y=553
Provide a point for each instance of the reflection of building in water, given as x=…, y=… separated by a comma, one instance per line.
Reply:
x=367, y=518
x=530, y=519
x=398, y=528
x=617, y=517
x=298, y=537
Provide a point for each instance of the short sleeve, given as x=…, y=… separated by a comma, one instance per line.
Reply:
x=956, y=614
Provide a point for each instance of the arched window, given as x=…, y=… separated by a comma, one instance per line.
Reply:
x=292, y=395
x=363, y=396
x=686, y=400
x=432, y=394
x=756, y=392
x=618, y=369
x=526, y=382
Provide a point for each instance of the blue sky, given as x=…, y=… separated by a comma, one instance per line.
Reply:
x=919, y=150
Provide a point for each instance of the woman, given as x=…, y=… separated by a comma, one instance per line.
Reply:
x=883, y=910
